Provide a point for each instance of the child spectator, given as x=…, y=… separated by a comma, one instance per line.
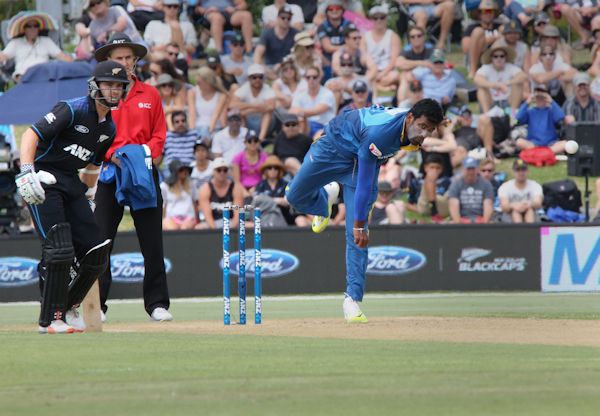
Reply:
x=386, y=210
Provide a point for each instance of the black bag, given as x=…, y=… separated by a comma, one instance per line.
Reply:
x=563, y=193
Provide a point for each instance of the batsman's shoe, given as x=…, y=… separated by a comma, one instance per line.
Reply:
x=352, y=312
x=56, y=327
x=75, y=320
x=319, y=223
x=103, y=316
x=161, y=314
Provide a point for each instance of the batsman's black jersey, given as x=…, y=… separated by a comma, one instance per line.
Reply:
x=71, y=136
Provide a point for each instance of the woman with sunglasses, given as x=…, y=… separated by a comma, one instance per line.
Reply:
x=29, y=48
x=168, y=89
x=288, y=83
x=246, y=164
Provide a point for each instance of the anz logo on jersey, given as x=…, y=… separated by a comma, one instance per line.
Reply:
x=79, y=152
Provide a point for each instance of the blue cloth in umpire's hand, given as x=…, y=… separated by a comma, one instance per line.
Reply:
x=108, y=172
x=135, y=183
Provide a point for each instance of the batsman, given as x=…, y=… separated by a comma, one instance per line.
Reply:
x=350, y=152
x=75, y=135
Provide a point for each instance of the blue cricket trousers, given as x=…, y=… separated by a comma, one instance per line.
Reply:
x=323, y=164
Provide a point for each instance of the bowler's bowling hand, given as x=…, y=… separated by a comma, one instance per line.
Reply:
x=361, y=234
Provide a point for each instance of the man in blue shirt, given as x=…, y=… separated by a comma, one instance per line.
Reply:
x=438, y=82
x=541, y=114
x=352, y=149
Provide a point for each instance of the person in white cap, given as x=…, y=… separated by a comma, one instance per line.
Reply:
x=256, y=101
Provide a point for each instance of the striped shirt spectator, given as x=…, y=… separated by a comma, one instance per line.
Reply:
x=180, y=141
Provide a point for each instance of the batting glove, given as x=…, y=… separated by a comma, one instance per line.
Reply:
x=29, y=185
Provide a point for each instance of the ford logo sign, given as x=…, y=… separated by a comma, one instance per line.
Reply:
x=18, y=271
x=129, y=267
x=393, y=260
x=274, y=263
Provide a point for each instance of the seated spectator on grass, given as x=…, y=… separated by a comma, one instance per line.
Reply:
x=159, y=33
x=386, y=209
x=270, y=13
x=305, y=54
x=362, y=63
x=29, y=48
x=557, y=75
x=520, y=197
x=107, y=19
x=478, y=36
x=236, y=63
x=428, y=193
x=223, y=14
x=487, y=170
x=291, y=145
x=144, y=11
x=173, y=53
x=437, y=81
x=499, y=82
x=383, y=46
x=541, y=114
x=423, y=10
x=579, y=16
x=229, y=82
x=415, y=94
x=229, y=142
x=596, y=219
x=443, y=143
x=246, y=164
x=331, y=32
x=342, y=85
x=415, y=56
x=354, y=6
x=165, y=66
x=217, y=193
x=359, y=97
x=470, y=197
x=275, y=43
x=316, y=106
x=256, y=101
x=202, y=165
x=273, y=185
x=521, y=11
x=207, y=102
x=582, y=107
x=85, y=47
x=172, y=101
x=466, y=136
x=289, y=83
x=512, y=33
x=180, y=141
x=179, y=198
x=550, y=36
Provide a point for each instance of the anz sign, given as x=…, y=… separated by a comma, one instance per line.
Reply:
x=571, y=259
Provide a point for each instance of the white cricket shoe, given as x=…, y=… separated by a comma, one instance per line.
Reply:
x=102, y=316
x=161, y=314
x=352, y=312
x=319, y=223
x=75, y=320
x=56, y=327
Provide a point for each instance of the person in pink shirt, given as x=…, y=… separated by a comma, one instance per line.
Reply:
x=246, y=164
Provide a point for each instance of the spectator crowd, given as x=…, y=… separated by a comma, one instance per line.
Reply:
x=244, y=95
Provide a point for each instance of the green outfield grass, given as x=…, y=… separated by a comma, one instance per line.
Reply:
x=221, y=374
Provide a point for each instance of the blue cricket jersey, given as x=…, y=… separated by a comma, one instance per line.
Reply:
x=370, y=136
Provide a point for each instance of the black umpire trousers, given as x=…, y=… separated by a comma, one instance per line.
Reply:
x=148, y=227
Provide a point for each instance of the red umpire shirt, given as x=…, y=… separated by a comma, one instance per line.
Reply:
x=140, y=120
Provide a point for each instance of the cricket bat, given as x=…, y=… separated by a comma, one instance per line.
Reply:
x=91, y=309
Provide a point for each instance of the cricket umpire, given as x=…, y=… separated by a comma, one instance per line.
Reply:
x=140, y=121
x=75, y=135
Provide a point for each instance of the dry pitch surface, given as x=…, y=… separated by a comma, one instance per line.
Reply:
x=486, y=330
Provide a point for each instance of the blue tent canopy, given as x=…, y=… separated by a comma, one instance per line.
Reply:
x=41, y=87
